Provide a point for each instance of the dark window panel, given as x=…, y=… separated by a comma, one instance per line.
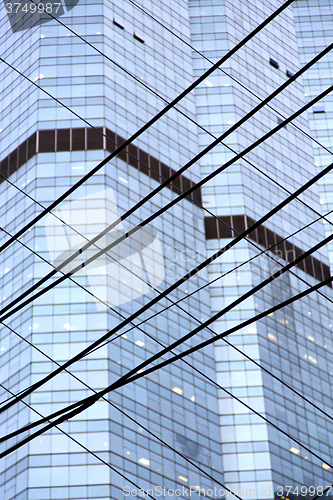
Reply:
x=4, y=168
x=280, y=248
x=110, y=141
x=326, y=272
x=118, y=23
x=238, y=224
x=186, y=183
x=133, y=155
x=78, y=139
x=210, y=228
x=270, y=235
x=143, y=165
x=274, y=63
x=95, y=138
x=253, y=235
x=197, y=196
x=13, y=162
x=175, y=183
x=154, y=168
x=46, y=142
x=261, y=231
x=289, y=74
x=224, y=225
x=31, y=146
x=165, y=171
x=298, y=253
x=138, y=38
x=317, y=269
x=63, y=139
x=290, y=251
x=123, y=154
x=308, y=266
x=22, y=155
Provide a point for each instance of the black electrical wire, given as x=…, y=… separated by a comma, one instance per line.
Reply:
x=177, y=283
x=152, y=217
x=186, y=116
x=210, y=214
x=150, y=122
x=72, y=407
x=180, y=111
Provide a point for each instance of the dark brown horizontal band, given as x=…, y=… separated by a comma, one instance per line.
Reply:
x=229, y=226
x=87, y=139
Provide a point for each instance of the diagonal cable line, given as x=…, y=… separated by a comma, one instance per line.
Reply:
x=190, y=119
x=72, y=407
x=151, y=121
x=148, y=14
x=202, y=153
x=160, y=211
x=3, y=439
x=225, y=134
x=183, y=279
x=291, y=79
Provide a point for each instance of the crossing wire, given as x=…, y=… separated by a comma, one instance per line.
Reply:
x=227, y=133
x=188, y=460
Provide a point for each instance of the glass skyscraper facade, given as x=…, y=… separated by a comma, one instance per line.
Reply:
x=152, y=426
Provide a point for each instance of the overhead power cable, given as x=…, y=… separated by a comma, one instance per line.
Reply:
x=180, y=111
x=178, y=282
x=150, y=218
x=87, y=402
x=150, y=122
